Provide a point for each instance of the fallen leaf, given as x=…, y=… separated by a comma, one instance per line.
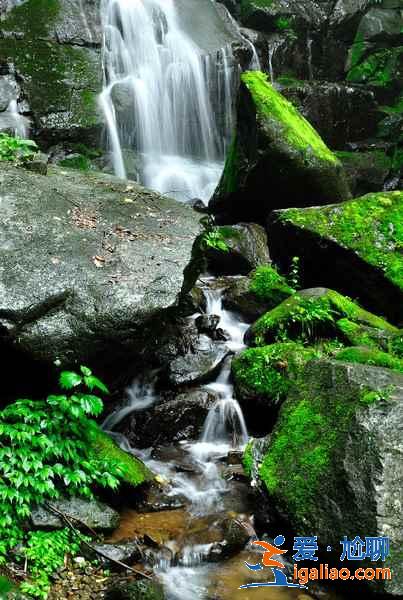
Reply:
x=99, y=261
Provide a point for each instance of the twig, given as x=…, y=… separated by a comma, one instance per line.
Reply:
x=66, y=519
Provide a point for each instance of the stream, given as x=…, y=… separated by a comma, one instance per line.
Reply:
x=189, y=562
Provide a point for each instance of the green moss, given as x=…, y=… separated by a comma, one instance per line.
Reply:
x=378, y=69
x=34, y=18
x=396, y=345
x=134, y=471
x=357, y=49
x=230, y=177
x=296, y=130
x=268, y=285
x=248, y=458
x=310, y=316
x=370, y=356
x=308, y=441
x=377, y=158
x=269, y=371
x=372, y=226
x=80, y=162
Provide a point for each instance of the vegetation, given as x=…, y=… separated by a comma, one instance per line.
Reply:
x=16, y=148
x=214, y=239
x=295, y=129
x=268, y=285
x=371, y=226
x=371, y=356
x=48, y=448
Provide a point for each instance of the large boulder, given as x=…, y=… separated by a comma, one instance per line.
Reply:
x=354, y=246
x=90, y=268
x=317, y=313
x=276, y=159
x=333, y=464
x=53, y=51
x=84, y=513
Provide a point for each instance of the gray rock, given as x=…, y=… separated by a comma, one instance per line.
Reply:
x=236, y=536
x=137, y=590
x=84, y=513
x=89, y=266
x=358, y=433
x=173, y=421
x=7, y=92
x=199, y=365
x=38, y=164
x=247, y=249
x=125, y=552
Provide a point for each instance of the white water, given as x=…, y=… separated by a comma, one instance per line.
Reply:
x=160, y=98
x=12, y=119
x=140, y=395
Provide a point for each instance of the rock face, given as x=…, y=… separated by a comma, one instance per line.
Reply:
x=89, y=266
x=276, y=160
x=247, y=249
x=333, y=464
x=50, y=55
x=354, y=246
x=91, y=513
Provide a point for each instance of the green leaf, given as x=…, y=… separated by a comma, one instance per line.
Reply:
x=93, y=382
x=69, y=380
x=86, y=371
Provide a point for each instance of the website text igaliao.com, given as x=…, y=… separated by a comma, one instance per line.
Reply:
x=303, y=575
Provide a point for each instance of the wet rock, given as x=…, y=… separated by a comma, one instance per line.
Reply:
x=335, y=110
x=83, y=295
x=84, y=513
x=236, y=536
x=247, y=249
x=207, y=324
x=366, y=171
x=276, y=160
x=156, y=499
x=359, y=238
x=38, y=164
x=125, y=553
x=198, y=366
x=136, y=590
x=172, y=421
x=352, y=415
x=63, y=99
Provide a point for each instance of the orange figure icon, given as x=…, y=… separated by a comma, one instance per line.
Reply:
x=271, y=550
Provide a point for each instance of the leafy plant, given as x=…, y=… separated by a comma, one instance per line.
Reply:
x=294, y=275
x=45, y=450
x=214, y=239
x=15, y=148
x=45, y=552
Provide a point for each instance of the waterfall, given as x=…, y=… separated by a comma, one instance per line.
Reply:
x=12, y=119
x=161, y=96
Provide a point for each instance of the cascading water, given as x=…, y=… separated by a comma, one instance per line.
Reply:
x=13, y=120
x=159, y=101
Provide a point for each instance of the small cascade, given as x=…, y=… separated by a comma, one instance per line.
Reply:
x=309, y=43
x=158, y=100
x=140, y=395
x=15, y=120
x=254, y=64
x=274, y=45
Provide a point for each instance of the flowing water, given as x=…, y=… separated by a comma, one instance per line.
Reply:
x=12, y=119
x=165, y=99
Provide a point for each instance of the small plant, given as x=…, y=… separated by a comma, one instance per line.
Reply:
x=283, y=24
x=15, y=148
x=45, y=450
x=214, y=239
x=294, y=275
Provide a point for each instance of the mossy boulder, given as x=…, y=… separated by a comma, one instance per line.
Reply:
x=276, y=159
x=311, y=314
x=370, y=356
x=263, y=377
x=333, y=462
x=361, y=334
x=252, y=296
x=54, y=50
x=355, y=246
x=134, y=471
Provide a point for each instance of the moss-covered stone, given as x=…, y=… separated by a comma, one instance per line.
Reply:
x=268, y=372
x=134, y=471
x=76, y=161
x=370, y=356
x=357, y=245
x=312, y=314
x=359, y=334
x=269, y=286
x=366, y=171
x=381, y=68
x=331, y=464
x=274, y=143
